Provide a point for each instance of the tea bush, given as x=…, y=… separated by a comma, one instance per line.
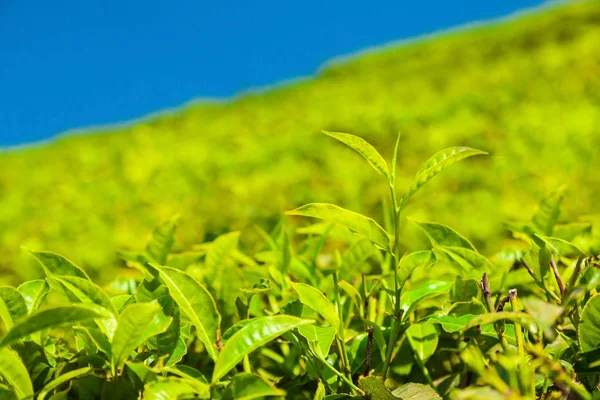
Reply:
x=328, y=310
x=525, y=90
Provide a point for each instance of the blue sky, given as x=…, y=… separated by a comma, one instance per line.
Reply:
x=71, y=64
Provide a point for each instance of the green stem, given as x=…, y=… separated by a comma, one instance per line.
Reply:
x=518, y=330
x=343, y=377
x=397, y=292
x=340, y=333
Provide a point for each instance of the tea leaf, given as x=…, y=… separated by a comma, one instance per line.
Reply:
x=12, y=306
x=423, y=338
x=442, y=235
x=34, y=293
x=548, y=212
x=316, y=300
x=174, y=388
x=54, y=264
x=320, y=338
x=363, y=148
x=490, y=318
x=196, y=303
x=161, y=241
x=411, y=299
x=410, y=262
x=64, y=378
x=561, y=247
x=15, y=373
x=589, y=326
x=89, y=293
x=136, y=324
x=220, y=249
x=53, y=317
x=252, y=336
x=416, y=391
x=436, y=164
x=249, y=386
x=356, y=222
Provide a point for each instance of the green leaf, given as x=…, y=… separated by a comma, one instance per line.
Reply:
x=358, y=253
x=220, y=249
x=411, y=299
x=136, y=324
x=545, y=314
x=174, y=388
x=170, y=341
x=450, y=323
x=375, y=389
x=410, y=262
x=249, y=386
x=320, y=392
x=423, y=339
x=416, y=391
x=54, y=264
x=365, y=149
x=442, y=235
x=561, y=247
x=490, y=318
x=468, y=263
x=356, y=222
x=12, y=306
x=15, y=373
x=161, y=241
x=34, y=293
x=197, y=304
x=316, y=300
x=436, y=164
x=89, y=293
x=589, y=326
x=253, y=335
x=51, y=318
x=548, y=212
x=319, y=338
x=61, y=380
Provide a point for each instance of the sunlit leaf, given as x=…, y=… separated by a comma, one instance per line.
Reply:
x=15, y=373
x=54, y=264
x=12, y=306
x=53, y=317
x=249, y=386
x=253, y=335
x=356, y=222
x=34, y=292
x=320, y=338
x=136, y=324
x=548, y=212
x=423, y=339
x=196, y=303
x=437, y=163
x=316, y=300
x=442, y=235
x=365, y=149
x=589, y=326
x=161, y=241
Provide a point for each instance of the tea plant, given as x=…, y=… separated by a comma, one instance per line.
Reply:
x=336, y=309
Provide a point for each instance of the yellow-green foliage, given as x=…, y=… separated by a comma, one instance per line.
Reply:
x=526, y=91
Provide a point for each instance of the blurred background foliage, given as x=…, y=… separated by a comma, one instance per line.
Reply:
x=526, y=90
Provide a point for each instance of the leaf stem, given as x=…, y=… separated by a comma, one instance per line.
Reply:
x=343, y=377
x=340, y=333
x=561, y=285
x=397, y=291
x=518, y=330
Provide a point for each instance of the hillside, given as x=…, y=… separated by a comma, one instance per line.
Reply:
x=527, y=91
